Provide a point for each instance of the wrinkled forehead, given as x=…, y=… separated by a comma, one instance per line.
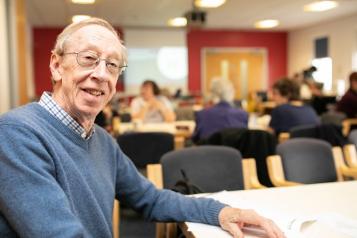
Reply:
x=95, y=37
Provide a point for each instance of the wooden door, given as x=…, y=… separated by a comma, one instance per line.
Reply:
x=246, y=68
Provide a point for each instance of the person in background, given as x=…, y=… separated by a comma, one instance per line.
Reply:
x=290, y=111
x=220, y=116
x=150, y=106
x=60, y=172
x=348, y=102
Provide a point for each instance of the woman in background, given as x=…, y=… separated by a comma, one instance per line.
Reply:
x=150, y=106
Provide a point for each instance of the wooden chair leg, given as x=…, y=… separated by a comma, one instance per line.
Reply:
x=116, y=219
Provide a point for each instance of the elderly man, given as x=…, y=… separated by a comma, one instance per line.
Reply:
x=60, y=173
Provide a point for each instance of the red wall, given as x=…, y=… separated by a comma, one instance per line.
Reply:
x=274, y=42
x=43, y=42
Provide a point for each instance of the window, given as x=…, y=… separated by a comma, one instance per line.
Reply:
x=324, y=72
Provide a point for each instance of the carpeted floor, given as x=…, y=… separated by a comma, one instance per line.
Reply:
x=132, y=225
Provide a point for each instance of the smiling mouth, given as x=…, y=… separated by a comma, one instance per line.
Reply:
x=94, y=92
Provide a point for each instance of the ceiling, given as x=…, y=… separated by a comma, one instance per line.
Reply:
x=234, y=14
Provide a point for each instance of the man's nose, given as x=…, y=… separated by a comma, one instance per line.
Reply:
x=100, y=71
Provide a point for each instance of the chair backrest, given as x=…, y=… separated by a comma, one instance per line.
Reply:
x=352, y=137
x=257, y=144
x=211, y=168
x=184, y=114
x=328, y=132
x=307, y=160
x=146, y=147
x=333, y=117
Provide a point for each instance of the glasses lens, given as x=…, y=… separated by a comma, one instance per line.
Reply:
x=113, y=66
x=87, y=59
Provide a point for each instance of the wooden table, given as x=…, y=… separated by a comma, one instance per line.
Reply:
x=327, y=199
x=180, y=129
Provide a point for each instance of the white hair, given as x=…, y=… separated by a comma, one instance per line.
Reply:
x=67, y=32
x=222, y=90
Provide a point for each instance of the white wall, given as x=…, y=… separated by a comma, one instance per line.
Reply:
x=150, y=38
x=342, y=34
x=159, y=54
x=4, y=60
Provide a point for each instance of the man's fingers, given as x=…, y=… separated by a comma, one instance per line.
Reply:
x=235, y=231
x=272, y=229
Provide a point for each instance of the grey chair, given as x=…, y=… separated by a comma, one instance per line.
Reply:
x=307, y=161
x=328, y=132
x=352, y=137
x=211, y=168
x=350, y=150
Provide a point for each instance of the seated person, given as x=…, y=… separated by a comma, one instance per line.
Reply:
x=222, y=114
x=290, y=112
x=151, y=106
x=348, y=103
x=60, y=172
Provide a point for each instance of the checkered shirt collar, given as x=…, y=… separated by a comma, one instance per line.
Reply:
x=47, y=102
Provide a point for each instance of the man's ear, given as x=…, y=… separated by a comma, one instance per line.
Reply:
x=55, y=67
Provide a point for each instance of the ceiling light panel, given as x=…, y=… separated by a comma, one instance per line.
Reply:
x=320, y=6
x=177, y=21
x=269, y=23
x=209, y=3
x=78, y=18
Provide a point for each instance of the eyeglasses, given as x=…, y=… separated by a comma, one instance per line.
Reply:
x=88, y=59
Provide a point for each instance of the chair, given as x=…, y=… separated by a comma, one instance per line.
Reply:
x=307, y=161
x=185, y=114
x=116, y=219
x=350, y=150
x=348, y=125
x=328, y=132
x=212, y=168
x=257, y=144
x=352, y=137
x=146, y=147
x=333, y=117
x=203, y=166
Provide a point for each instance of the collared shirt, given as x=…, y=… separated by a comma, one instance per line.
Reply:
x=47, y=102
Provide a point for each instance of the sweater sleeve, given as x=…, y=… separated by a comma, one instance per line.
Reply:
x=31, y=201
x=162, y=205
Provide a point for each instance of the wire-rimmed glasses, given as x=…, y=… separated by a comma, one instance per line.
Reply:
x=88, y=59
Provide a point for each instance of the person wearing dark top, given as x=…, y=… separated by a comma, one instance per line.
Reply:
x=348, y=103
x=290, y=112
x=220, y=116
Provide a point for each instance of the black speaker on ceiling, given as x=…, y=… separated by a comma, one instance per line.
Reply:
x=195, y=18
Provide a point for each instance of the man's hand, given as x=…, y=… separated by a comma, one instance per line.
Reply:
x=234, y=219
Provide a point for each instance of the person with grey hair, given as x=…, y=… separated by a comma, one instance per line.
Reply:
x=220, y=116
x=60, y=173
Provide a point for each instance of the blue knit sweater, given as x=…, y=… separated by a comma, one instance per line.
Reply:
x=53, y=183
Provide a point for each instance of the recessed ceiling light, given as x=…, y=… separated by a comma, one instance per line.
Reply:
x=320, y=6
x=177, y=21
x=78, y=18
x=209, y=3
x=269, y=23
x=83, y=1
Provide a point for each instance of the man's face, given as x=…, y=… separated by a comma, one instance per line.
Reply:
x=84, y=91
